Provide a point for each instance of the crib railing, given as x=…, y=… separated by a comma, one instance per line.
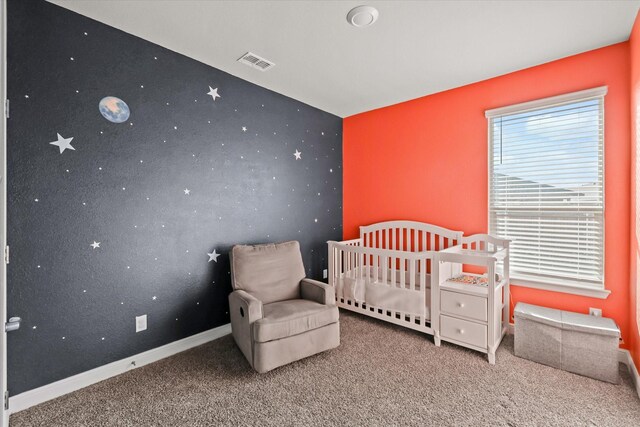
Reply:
x=358, y=262
x=410, y=236
x=484, y=243
x=366, y=266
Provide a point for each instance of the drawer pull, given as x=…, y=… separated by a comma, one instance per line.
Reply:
x=461, y=331
x=460, y=305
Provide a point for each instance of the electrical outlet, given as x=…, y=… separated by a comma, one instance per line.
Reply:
x=595, y=312
x=325, y=273
x=141, y=323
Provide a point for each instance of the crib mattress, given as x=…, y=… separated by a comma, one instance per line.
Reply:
x=363, y=285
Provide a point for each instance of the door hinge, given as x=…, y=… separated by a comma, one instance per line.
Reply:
x=6, y=108
x=6, y=399
x=6, y=254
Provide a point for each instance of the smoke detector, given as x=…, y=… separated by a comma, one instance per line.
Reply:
x=362, y=16
x=255, y=61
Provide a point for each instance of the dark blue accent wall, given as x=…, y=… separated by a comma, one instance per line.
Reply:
x=185, y=175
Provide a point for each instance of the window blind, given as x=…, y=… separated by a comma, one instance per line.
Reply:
x=546, y=189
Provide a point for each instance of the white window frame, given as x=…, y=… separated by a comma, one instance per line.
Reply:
x=558, y=285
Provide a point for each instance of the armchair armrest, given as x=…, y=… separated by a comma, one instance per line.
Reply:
x=244, y=309
x=319, y=292
x=245, y=306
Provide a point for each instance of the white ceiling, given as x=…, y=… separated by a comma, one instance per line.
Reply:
x=414, y=49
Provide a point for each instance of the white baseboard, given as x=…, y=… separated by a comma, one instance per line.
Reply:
x=51, y=391
x=624, y=356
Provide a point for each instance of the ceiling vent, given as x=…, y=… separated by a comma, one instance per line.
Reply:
x=255, y=61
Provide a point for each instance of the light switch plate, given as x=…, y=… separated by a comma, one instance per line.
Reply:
x=141, y=323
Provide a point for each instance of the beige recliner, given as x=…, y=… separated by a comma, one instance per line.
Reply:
x=277, y=315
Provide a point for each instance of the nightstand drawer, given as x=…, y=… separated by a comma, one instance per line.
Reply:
x=464, y=305
x=463, y=331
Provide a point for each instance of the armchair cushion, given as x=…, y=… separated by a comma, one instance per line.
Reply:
x=270, y=272
x=319, y=292
x=287, y=318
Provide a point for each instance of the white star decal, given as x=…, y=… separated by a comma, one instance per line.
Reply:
x=63, y=143
x=298, y=154
x=187, y=191
x=214, y=93
x=244, y=128
x=213, y=256
x=95, y=245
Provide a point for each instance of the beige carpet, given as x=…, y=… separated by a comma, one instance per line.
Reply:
x=380, y=375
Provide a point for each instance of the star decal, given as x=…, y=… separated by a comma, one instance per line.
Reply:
x=298, y=155
x=244, y=128
x=213, y=256
x=214, y=93
x=187, y=191
x=63, y=143
x=95, y=245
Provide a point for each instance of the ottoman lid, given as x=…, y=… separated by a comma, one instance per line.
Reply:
x=590, y=324
x=535, y=313
x=567, y=320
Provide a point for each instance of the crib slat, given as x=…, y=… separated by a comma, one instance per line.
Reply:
x=416, y=241
x=352, y=265
x=393, y=238
x=385, y=268
x=394, y=277
x=363, y=268
x=412, y=282
x=375, y=273
x=347, y=263
x=392, y=280
x=412, y=274
x=423, y=287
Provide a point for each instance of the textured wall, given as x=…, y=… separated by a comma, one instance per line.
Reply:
x=634, y=213
x=426, y=160
x=124, y=218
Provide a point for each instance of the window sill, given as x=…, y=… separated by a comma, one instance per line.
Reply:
x=567, y=288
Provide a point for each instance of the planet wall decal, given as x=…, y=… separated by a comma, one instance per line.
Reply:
x=114, y=109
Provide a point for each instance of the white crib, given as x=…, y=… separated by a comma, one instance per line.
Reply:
x=386, y=273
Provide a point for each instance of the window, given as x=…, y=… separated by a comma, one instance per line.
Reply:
x=546, y=188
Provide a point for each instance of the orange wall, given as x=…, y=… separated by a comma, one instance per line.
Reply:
x=426, y=160
x=634, y=319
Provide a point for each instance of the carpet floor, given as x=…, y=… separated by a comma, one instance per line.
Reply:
x=381, y=375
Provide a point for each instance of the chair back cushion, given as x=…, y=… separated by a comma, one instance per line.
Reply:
x=270, y=272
